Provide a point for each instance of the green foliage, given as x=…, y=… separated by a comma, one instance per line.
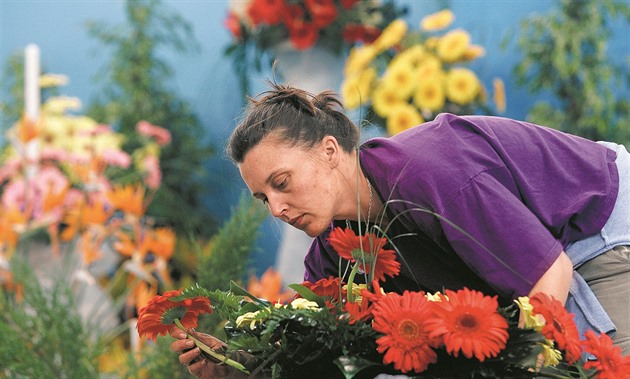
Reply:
x=43, y=335
x=136, y=89
x=232, y=246
x=566, y=56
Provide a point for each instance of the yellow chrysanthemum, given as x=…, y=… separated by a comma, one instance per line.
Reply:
x=357, y=89
x=462, y=85
x=359, y=58
x=301, y=303
x=385, y=99
x=437, y=21
x=473, y=52
x=435, y=296
x=401, y=77
x=499, y=95
x=249, y=319
x=429, y=94
x=413, y=56
x=432, y=42
x=551, y=356
x=529, y=320
x=52, y=80
x=429, y=68
x=403, y=117
x=391, y=36
x=452, y=46
x=61, y=104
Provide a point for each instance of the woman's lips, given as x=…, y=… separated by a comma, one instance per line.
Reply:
x=296, y=222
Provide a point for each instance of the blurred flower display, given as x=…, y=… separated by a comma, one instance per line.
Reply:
x=66, y=175
x=258, y=26
x=405, y=77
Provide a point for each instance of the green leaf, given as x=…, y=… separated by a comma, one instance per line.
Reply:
x=351, y=366
x=308, y=294
x=238, y=290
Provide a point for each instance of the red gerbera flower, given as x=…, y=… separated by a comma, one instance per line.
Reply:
x=360, y=33
x=157, y=317
x=559, y=325
x=406, y=342
x=363, y=310
x=610, y=364
x=328, y=289
x=367, y=250
x=468, y=321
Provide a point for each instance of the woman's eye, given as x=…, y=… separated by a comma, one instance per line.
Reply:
x=282, y=184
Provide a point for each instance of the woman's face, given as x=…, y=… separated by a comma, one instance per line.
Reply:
x=296, y=183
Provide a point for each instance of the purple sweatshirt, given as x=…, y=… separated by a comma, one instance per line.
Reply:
x=483, y=202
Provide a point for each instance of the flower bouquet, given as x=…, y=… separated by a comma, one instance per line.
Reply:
x=407, y=77
x=336, y=328
x=258, y=26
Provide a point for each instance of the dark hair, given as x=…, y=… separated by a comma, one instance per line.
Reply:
x=300, y=118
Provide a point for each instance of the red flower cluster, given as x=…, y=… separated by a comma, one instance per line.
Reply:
x=303, y=20
x=367, y=250
x=157, y=317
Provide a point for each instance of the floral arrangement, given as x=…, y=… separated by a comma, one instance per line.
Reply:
x=342, y=329
x=258, y=26
x=66, y=183
x=405, y=77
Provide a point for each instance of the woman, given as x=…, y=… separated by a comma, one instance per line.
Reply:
x=505, y=207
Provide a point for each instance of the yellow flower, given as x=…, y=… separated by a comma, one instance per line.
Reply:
x=302, y=303
x=359, y=58
x=385, y=99
x=462, y=86
x=430, y=94
x=499, y=94
x=61, y=104
x=250, y=318
x=412, y=55
x=52, y=80
x=551, y=356
x=429, y=68
x=529, y=320
x=402, y=118
x=473, y=52
x=357, y=89
x=452, y=46
x=435, y=297
x=391, y=36
x=437, y=21
x=401, y=77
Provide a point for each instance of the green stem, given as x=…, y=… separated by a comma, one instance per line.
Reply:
x=220, y=357
x=353, y=273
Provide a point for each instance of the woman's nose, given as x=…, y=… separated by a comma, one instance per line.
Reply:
x=276, y=207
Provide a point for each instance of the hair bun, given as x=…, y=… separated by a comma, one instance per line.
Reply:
x=296, y=97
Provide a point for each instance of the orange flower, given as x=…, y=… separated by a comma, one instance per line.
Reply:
x=367, y=250
x=406, y=342
x=323, y=12
x=269, y=287
x=467, y=321
x=559, y=325
x=129, y=199
x=157, y=318
x=610, y=364
x=161, y=242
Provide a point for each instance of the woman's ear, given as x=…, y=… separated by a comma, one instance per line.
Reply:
x=332, y=151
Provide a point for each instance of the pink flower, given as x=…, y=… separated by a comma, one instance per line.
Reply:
x=161, y=135
x=114, y=157
x=154, y=175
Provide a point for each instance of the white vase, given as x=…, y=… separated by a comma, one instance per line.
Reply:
x=313, y=70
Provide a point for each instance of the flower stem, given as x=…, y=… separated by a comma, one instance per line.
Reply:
x=353, y=273
x=206, y=349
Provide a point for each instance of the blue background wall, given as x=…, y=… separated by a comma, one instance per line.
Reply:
x=207, y=81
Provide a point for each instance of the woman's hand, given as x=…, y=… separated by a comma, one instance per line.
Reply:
x=198, y=364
